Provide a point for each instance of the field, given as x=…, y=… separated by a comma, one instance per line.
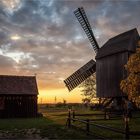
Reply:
x=53, y=125
x=59, y=115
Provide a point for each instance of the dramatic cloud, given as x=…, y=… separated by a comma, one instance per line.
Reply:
x=43, y=37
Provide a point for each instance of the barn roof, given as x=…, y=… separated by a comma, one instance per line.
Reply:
x=123, y=42
x=10, y=84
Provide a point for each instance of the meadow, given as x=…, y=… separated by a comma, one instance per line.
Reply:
x=60, y=114
x=53, y=125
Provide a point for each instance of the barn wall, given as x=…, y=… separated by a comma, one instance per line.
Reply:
x=19, y=106
x=109, y=72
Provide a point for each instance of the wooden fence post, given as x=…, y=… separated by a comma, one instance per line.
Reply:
x=69, y=118
x=73, y=115
x=105, y=115
x=87, y=126
x=126, y=128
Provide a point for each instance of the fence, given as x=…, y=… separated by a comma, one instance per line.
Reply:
x=106, y=115
x=89, y=122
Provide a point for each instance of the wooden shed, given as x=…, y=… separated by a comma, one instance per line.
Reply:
x=18, y=96
x=110, y=61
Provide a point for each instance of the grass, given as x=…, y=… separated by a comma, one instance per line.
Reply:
x=59, y=116
x=53, y=125
x=47, y=127
x=10, y=124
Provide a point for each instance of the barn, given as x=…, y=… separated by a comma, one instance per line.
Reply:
x=18, y=96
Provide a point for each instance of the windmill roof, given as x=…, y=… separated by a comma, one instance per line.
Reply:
x=18, y=85
x=126, y=41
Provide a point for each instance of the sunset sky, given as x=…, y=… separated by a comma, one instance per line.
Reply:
x=43, y=37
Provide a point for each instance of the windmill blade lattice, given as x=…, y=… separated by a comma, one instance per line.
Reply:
x=80, y=75
x=83, y=20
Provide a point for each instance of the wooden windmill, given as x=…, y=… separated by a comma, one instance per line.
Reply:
x=110, y=60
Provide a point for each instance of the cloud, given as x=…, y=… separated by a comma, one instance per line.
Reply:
x=52, y=43
x=6, y=62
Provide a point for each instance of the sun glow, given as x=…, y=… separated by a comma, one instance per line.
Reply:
x=15, y=37
x=48, y=96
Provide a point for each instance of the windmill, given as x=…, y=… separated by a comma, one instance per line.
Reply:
x=110, y=61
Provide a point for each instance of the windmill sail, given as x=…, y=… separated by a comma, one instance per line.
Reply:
x=83, y=20
x=80, y=75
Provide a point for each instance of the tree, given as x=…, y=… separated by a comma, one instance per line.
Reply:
x=55, y=99
x=89, y=89
x=131, y=85
x=64, y=102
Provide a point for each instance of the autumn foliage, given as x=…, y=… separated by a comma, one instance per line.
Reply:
x=131, y=85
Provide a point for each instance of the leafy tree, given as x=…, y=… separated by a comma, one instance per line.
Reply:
x=131, y=85
x=89, y=89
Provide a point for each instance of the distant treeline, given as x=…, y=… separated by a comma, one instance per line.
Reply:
x=59, y=104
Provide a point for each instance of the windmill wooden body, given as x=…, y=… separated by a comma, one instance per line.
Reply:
x=110, y=60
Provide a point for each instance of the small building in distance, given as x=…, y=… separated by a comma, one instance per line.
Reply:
x=18, y=96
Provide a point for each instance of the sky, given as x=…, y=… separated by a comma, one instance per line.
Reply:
x=44, y=38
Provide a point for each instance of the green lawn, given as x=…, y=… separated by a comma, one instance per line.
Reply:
x=53, y=126
x=59, y=116
x=22, y=128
